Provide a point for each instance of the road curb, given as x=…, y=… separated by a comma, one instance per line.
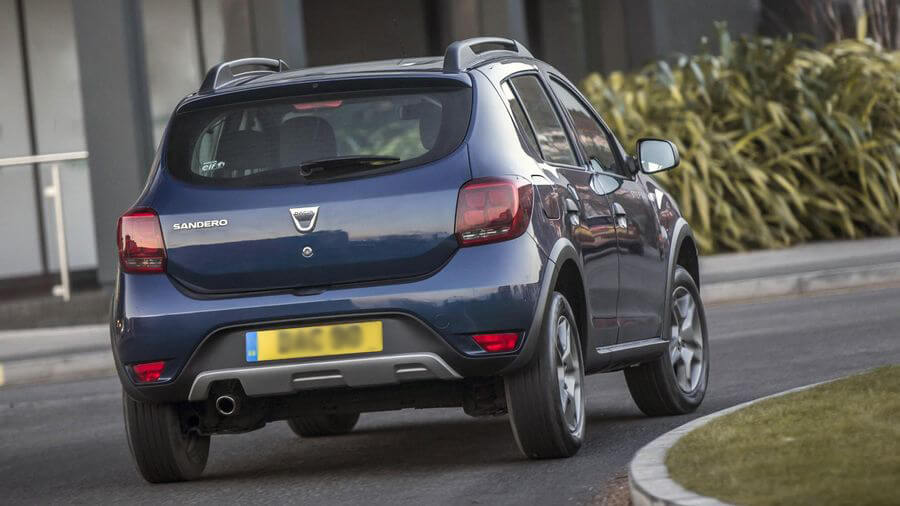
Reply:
x=800, y=283
x=74, y=366
x=648, y=476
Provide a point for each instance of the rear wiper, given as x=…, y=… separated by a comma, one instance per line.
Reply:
x=309, y=168
x=324, y=168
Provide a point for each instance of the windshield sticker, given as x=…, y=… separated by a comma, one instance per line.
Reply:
x=211, y=166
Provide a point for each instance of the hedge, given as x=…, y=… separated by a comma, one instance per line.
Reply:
x=779, y=143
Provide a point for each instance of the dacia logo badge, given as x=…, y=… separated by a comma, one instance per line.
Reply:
x=305, y=218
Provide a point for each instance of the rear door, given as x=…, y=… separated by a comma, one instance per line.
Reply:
x=587, y=209
x=642, y=269
x=314, y=191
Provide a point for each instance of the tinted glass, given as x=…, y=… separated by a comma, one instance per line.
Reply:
x=520, y=118
x=235, y=144
x=172, y=57
x=19, y=207
x=590, y=133
x=58, y=123
x=551, y=137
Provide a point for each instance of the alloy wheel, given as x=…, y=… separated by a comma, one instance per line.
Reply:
x=568, y=373
x=686, y=340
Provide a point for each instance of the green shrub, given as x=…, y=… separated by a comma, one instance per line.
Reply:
x=780, y=144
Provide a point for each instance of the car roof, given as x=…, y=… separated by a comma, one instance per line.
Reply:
x=461, y=56
x=424, y=65
x=421, y=64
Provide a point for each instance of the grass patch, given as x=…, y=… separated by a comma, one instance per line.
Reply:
x=838, y=443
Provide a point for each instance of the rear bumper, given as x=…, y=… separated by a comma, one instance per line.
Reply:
x=350, y=372
x=427, y=327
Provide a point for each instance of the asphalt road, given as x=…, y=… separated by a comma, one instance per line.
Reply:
x=65, y=443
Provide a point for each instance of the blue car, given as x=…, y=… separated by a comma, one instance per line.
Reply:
x=456, y=231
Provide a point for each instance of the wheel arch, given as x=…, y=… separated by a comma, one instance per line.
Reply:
x=563, y=269
x=688, y=258
x=682, y=252
x=570, y=283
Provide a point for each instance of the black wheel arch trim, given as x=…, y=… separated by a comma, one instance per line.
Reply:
x=563, y=250
x=680, y=232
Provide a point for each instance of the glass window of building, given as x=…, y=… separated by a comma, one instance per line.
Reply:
x=19, y=209
x=59, y=125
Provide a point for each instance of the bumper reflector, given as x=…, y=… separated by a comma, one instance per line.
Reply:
x=494, y=343
x=148, y=372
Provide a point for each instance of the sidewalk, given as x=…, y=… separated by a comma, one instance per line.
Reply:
x=86, y=307
x=798, y=270
x=82, y=351
x=55, y=354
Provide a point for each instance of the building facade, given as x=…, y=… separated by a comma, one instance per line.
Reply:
x=104, y=75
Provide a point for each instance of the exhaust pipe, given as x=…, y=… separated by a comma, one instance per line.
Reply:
x=226, y=405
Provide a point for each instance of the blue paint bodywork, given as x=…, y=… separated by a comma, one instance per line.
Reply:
x=385, y=245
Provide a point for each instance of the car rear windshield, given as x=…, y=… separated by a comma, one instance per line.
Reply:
x=313, y=138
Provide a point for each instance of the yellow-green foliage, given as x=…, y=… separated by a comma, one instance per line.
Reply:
x=779, y=144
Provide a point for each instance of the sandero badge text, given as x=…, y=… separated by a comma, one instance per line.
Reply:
x=190, y=225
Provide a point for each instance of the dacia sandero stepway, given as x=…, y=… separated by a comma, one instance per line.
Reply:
x=457, y=231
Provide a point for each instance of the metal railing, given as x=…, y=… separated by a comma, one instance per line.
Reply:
x=54, y=191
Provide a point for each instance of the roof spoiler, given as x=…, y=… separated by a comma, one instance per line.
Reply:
x=464, y=54
x=223, y=73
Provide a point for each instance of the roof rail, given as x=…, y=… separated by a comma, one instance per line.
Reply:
x=463, y=54
x=223, y=73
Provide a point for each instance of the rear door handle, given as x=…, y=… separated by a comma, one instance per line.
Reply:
x=572, y=212
x=621, y=215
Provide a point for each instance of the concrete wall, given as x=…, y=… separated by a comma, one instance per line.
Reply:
x=345, y=31
x=628, y=34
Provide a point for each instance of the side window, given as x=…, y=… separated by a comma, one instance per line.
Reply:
x=590, y=133
x=548, y=129
x=520, y=118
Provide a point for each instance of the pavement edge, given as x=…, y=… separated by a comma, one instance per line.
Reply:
x=648, y=476
x=800, y=283
x=69, y=367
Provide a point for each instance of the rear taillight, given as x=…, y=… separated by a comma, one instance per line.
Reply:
x=493, y=209
x=140, y=240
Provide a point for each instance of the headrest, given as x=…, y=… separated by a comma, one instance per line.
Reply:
x=306, y=138
x=242, y=150
x=429, y=124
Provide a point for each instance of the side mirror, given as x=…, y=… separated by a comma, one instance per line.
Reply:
x=656, y=155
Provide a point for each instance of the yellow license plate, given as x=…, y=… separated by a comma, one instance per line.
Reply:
x=319, y=341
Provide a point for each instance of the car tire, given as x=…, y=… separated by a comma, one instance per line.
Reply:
x=323, y=425
x=163, y=451
x=676, y=382
x=545, y=399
